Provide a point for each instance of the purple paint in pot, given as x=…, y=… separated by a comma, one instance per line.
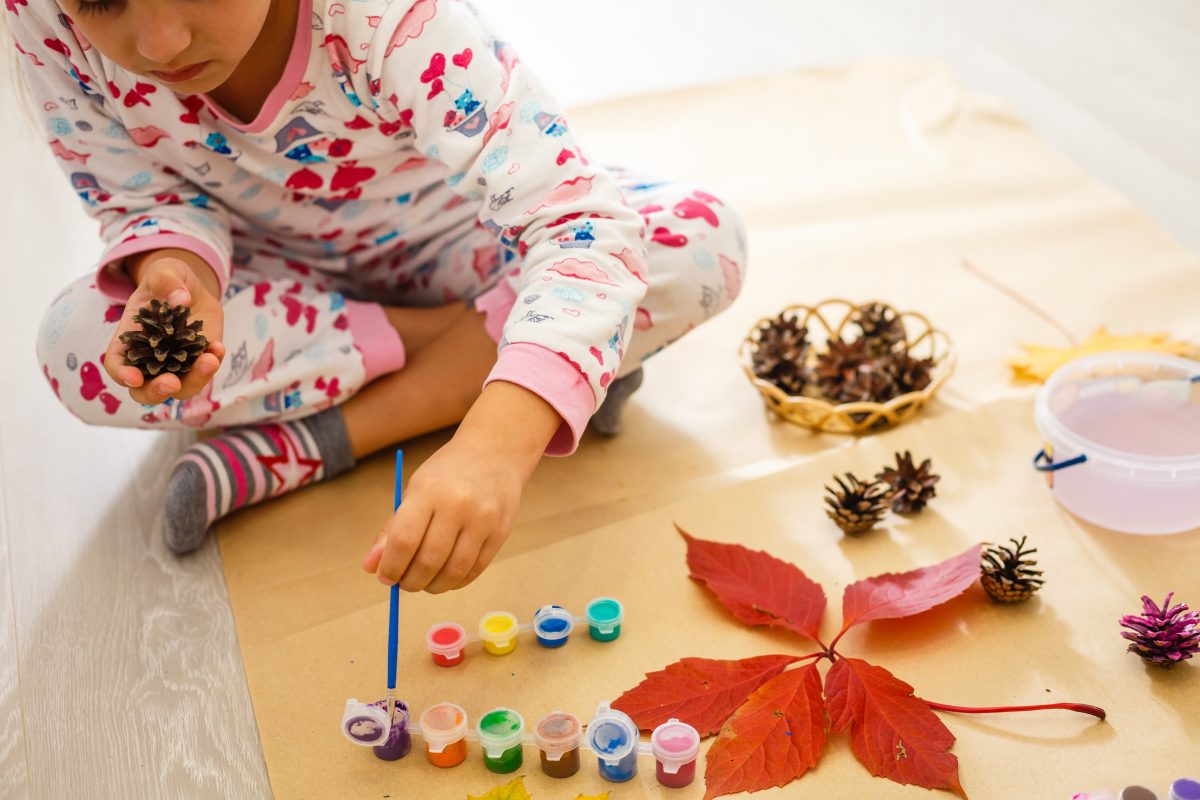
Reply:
x=399, y=741
x=1185, y=789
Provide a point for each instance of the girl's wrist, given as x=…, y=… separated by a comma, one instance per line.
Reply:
x=137, y=266
x=511, y=423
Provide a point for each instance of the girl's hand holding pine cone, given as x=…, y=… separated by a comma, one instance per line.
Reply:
x=168, y=342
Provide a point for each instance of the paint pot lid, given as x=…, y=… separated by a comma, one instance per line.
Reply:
x=674, y=744
x=553, y=622
x=500, y=729
x=443, y=725
x=365, y=724
x=605, y=614
x=612, y=735
x=446, y=638
x=1185, y=789
x=498, y=633
x=558, y=733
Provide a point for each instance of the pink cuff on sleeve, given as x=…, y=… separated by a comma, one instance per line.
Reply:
x=375, y=338
x=115, y=283
x=557, y=381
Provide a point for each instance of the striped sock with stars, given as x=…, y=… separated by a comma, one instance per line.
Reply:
x=243, y=466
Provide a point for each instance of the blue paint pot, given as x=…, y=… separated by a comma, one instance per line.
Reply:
x=613, y=737
x=552, y=625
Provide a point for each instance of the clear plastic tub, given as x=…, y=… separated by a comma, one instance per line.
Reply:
x=1122, y=437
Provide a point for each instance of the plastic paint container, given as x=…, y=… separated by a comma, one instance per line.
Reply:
x=604, y=616
x=399, y=741
x=558, y=735
x=1185, y=789
x=364, y=724
x=446, y=641
x=1137, y=793
x=613, y=736
x=1123, y=441
x=500, y=734
x=675, y=746
x=444, y=729
x=552, y=625
x=498, y=630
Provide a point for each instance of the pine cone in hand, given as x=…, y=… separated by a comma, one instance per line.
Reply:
x=167, y=342
x=855, y=506
x=912, y=486
x=1163, y=636
x=1008, y=573
x=840, y=370
x=780, y=354
x=882, y=329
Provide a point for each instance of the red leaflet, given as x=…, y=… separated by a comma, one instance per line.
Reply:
x=892, y=595
x=757, y=587
x=774, y=738
x=702, y=692
x=893, y=733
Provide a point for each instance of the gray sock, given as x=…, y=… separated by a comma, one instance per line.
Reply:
x=607, y=419
x=242, y=466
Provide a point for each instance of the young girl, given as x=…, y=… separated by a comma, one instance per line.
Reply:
x=376, y=210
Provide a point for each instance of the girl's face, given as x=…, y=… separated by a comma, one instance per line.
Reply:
x=193, y=46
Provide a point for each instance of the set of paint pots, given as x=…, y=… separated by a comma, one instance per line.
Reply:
x=559, y=737
x=498, y=630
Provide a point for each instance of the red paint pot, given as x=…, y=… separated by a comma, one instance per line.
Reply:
x=446, y=641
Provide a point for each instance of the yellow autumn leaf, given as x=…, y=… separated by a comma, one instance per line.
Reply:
x=1040, y=362
x=513, y=790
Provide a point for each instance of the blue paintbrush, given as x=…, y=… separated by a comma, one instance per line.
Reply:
x=394, y=609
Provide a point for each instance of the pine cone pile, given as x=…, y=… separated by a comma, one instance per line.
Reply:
x=1163, y=636
x=855, y=506
x=167, y=342
x=912, y=487
x=874, y=367
x=1008, y=574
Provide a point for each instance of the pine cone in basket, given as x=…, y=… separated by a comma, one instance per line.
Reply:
x=167, y=342
x=906, y=373
x=911, y=486
x=855, y=506
x=840, y=369
x=1008, y=572
x=881, y=327
x=874, y=386
x=780, y=353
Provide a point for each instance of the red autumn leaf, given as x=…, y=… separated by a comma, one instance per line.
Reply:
x=757, y=587
x=894, y=734
x=774, y=738
x=702, y=692
x=893, y=595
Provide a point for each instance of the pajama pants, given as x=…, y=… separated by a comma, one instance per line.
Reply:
x=299, y=340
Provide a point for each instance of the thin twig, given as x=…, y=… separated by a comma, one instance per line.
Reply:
x=1082, y=708
x=1021, y=299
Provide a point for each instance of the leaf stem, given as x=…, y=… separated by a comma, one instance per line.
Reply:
x=811, y=656
x=1081, y=708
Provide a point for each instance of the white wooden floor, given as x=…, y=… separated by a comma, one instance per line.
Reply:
x=119, y=669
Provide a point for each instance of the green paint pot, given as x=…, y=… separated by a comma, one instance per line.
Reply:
x=604, y=616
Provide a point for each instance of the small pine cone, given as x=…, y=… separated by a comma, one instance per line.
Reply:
x=855, y=506
x=1163, y=636
x=912, y=486
x=874, y=386
x=1008, y=575
x=908, y=374
x=780, y=354
x=167, y=342
x=882, y=329
x=839, y=371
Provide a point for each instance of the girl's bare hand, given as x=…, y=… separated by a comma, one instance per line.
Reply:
x=170, y=279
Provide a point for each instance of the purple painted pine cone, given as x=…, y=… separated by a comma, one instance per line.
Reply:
x=1163, y=636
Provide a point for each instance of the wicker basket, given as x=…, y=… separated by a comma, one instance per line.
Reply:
x=826, y=320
